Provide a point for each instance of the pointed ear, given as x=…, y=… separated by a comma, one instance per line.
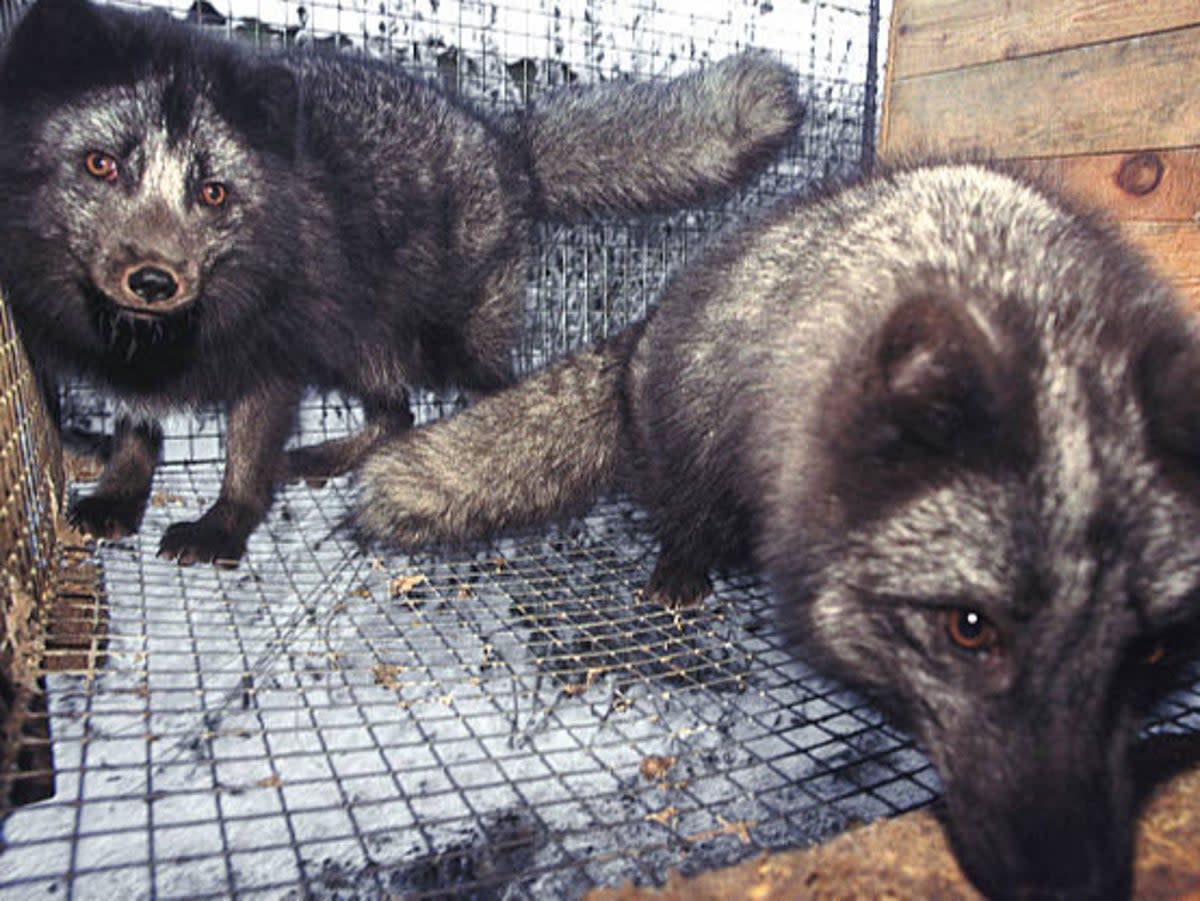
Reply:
x=1168, y=375
x=58, y=46
x=262, y=98
x=940, y=373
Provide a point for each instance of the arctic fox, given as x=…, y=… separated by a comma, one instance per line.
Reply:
x=957, y=425
x=186, y=220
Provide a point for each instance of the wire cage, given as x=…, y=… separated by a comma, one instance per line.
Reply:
x=508, y=722
x=31, y=476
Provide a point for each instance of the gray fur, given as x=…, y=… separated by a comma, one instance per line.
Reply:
x=470, y=476
x=689, y=138
x=372, y=235
x=936, y=407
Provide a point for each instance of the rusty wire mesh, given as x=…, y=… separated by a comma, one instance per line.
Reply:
x=30, y=483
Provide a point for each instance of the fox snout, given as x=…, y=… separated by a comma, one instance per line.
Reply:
x=1043, y=820
x=147, y=285
x=1081, y=857
x=153, y=284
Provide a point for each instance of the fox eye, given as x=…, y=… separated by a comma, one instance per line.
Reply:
x=970, y=630
x=213, y=193
x=100, y=165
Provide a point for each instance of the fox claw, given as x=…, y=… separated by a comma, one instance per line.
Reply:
x=202, y=542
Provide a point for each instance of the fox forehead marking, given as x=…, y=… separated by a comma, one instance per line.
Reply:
x=165, y=175
x=1096, y=469
x=1069, y=468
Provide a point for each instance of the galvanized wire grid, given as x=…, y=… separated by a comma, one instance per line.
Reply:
x=512, y=723
x=509, y=723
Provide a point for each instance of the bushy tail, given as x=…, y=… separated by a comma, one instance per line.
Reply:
x=529, y=454
x=645, y=147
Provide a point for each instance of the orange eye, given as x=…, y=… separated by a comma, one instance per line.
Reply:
x=100, y=165
x=970, y=630
x=213, y=193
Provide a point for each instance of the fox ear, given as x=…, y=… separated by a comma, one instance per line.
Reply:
x=1168, y=377
x=59, y=45
x=262, y=99
x=940, y=373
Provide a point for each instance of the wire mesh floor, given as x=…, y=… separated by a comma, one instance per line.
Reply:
x=513, y=723
x=510, y=723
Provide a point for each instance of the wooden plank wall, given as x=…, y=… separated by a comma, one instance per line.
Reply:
x=1102, y=97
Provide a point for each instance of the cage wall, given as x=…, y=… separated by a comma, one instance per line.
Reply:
x=30, y=486
x=511, y=722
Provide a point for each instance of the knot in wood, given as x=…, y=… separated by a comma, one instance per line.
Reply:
x=1140, y=174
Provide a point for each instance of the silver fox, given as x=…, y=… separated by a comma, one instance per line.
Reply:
x=958, y=426
x=185, y=220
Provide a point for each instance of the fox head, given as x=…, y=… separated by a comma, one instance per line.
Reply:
x=1000, y=536
x=142, y=159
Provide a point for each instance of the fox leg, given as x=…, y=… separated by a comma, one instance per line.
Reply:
x=692, y=544
x=115, y=508
x=386, y=416
x=259, y=424
x=680, y=576
x=677, y=584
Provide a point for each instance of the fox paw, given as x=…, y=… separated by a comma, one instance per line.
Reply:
x=202, y=541
x=108, y=516
x=677, y=586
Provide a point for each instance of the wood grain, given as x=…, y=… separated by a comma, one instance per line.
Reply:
x=1174, y=249
x=936, y=35
x=1105, y=98
x=1149, y=185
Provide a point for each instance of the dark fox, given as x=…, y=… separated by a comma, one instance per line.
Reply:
x=957, y=424
x=185, y=220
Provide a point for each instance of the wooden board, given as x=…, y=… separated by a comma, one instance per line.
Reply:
x=1106, y=98
x=1090, y=95
x=936, y=35
x=1175, y=250
x=1153, y=196
x=1146, y=186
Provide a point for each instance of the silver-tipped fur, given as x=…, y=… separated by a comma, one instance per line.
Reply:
x=652, y=147
x=455, y=483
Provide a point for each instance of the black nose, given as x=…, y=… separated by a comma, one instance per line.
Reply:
x=152, y=284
